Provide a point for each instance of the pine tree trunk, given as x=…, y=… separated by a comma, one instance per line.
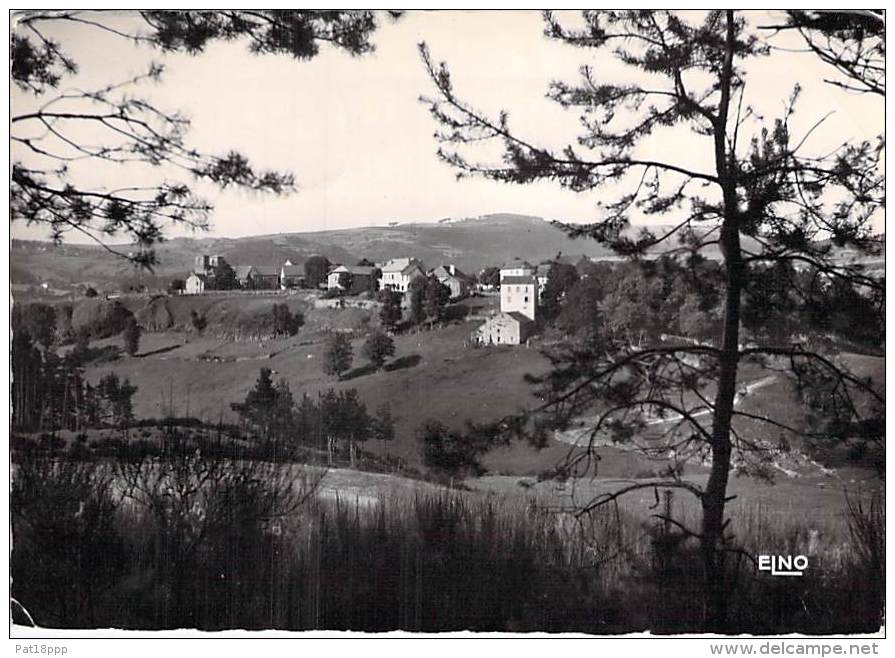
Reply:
x=715, y=495
x=714, y=498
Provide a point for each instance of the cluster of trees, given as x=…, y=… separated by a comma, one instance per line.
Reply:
x=285, y=322
x=336, y=420
x=561, y=277
x=50, y=392
x=452, y=452
x=50, y=325
x=429, y=298
x=223, y=277
x=338, y=355
x=638, y=302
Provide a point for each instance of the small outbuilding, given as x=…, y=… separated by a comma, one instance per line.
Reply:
x=505, y=329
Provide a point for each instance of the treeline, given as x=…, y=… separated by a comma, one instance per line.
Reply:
x=50, y=392
x=637, y=302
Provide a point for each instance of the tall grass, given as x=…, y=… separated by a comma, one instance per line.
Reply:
x=189, y=542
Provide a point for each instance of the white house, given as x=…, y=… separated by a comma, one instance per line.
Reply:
x=398, y=273
x=505, y=329
x=516, y=268
x=195, y=284
x=519, y=294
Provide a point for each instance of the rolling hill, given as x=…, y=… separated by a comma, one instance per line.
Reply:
x=469, y=243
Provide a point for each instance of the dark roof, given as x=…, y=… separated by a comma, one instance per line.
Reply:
x=293, y=270
x=243, y=271
x=514, y=316
x=515, y=265
x=519, y=280
x=519, y=317
x=267, y=270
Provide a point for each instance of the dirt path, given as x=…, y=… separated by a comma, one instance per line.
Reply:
x=581, y=436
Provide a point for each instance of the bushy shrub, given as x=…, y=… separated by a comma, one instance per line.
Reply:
x=68, y=551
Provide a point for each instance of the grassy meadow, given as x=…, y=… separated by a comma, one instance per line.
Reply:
x=434, y=374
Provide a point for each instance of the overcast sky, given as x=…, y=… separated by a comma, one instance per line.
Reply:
x=359, y=142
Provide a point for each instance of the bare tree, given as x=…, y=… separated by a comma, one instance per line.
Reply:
x=767, y=206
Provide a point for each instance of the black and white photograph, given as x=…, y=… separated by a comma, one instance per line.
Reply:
x=447, y=323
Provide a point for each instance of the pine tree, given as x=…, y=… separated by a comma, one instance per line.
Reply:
x=764, y=200
x=268, y=408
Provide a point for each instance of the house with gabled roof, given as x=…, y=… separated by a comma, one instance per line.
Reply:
x=267, y=276
x=398, y=273
x=359, y=277
x=245, y=275
x=291, y=276
x=505, y=329
x=517, y=268
x=452, y=277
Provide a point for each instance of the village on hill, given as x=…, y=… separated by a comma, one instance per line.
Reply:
x=519, y=285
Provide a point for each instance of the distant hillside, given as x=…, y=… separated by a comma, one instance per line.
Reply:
x=471, y=243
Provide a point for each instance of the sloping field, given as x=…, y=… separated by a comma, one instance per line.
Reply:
x=438, y=376
x=441, y=378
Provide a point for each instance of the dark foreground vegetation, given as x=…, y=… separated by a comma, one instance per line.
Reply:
x=185, y=541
